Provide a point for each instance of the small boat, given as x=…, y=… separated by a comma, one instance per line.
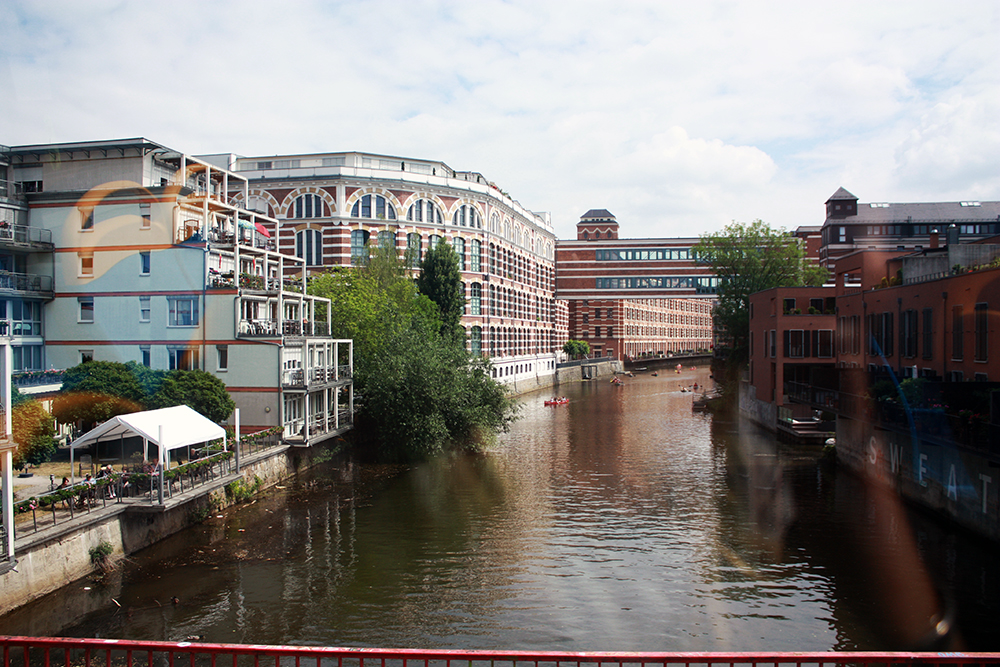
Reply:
x=654, y=374
x=557, y=401
x=616, y=381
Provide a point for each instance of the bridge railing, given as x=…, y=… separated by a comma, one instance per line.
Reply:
x=48, y=652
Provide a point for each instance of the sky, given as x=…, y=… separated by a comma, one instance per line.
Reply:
x=678, y=117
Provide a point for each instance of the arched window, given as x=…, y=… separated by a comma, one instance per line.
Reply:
x=413, y=255
x=477, y=299
x=309, y=246
x=458, y=245
x=495, y=223
x=467, y=216
x=424, y=210
x=433, y=241
x=307, y=206
x=476, y=341
x=373, y=206
x=359, y=253
x=476, y=255
x=387, y=239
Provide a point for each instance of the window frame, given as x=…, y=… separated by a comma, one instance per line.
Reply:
x=174, y=314
x=83, y=310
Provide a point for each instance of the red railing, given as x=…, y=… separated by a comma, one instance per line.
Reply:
x=51, y=651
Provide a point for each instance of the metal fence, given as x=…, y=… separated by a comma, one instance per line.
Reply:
x=46, y=652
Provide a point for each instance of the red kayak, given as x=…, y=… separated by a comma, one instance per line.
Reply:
x=556, y=401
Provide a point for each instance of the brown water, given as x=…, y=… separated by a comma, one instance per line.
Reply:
x=621, y=521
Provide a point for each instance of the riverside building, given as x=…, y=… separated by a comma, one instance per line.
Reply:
x=127, y=250
x=325, y=208
x=634, y=298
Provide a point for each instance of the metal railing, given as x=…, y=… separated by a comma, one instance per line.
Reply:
x=48, y=651
x=25, y=282
x=23, y=234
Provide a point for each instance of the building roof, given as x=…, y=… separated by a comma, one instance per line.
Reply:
x=926, y=213
x=841, y=194
x=600, y=213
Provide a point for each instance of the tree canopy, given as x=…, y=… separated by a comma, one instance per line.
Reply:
x=576, y=348
x=96, y=391
x=441, y=282
x=419, y=391
x=748, y=258
x=32, y=431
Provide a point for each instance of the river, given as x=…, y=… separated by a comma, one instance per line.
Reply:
x=621, y=521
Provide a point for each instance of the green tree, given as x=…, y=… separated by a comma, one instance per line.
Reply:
x=748, y=258
x=202, y=392
x=96, y=391
x=418, y=391
x=33, y=432
x=576, y=348
x=441, y=281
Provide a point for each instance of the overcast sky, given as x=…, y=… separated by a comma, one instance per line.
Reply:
x=678, y=117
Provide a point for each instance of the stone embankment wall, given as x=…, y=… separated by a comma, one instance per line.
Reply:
x=63, y=556
x=956, y=482
x=576, y=371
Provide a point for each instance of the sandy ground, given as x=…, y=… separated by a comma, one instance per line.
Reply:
x=25, y=487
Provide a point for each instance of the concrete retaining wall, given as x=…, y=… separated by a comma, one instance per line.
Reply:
x=63, y=556
x=957, y=483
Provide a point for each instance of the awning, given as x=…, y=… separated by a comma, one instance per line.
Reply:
x=181, y=426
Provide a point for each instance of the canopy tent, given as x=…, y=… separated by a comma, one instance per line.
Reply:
x=167, y=428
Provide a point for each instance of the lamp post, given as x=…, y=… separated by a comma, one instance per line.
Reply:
x=7, y=447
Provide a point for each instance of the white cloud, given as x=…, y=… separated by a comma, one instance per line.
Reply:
x=678, y=117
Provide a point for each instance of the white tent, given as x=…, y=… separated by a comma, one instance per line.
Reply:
x=167, y=428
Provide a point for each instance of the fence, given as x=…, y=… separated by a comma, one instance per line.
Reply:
x=46, y=651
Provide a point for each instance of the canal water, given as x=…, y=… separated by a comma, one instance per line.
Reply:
x=621, y=521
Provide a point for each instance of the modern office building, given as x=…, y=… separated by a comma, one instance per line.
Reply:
x=128, y=250
x=324, y=209
x=630, y=298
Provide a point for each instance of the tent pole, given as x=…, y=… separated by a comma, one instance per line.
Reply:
x=160, y=457
x=236, y=445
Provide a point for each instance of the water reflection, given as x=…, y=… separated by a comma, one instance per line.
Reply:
x=620, y=521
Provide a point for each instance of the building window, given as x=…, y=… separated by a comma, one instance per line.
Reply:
x=789, y=306
x=476, y=341
x=308, y=206
x=477, y=299
x=144, y=309
x=476, y=255
x=147, y=219
x=824, y=343
x=144, y=356
x=413, y=243
x=458, y=245
x=795, y=344
x=86, y=219
x=86, y=356
x=144, y=263
x=86, y=265
x=25, y=316
x=433, y=241
x=387, y=239
x=86, y=304
x=222, y=356
x=424, y=210
x=27, y=357
x=957, y=333
x=182, y=311
x=774, y=343
x=359, y=252
x=611, y=332
x=908, y=330
x=467, y=216
x=982, y=332
x=373, y=206
x=183, y=358
x=309, y=246
x=928, y=352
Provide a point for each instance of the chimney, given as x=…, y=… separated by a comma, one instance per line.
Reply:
x=934, y=238
x=952, y=235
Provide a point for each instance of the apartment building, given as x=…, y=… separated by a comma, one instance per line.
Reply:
x=127, y=250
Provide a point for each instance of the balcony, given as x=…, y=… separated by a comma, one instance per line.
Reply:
x=25, y=238
x=26, y=282
x=297, y=378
